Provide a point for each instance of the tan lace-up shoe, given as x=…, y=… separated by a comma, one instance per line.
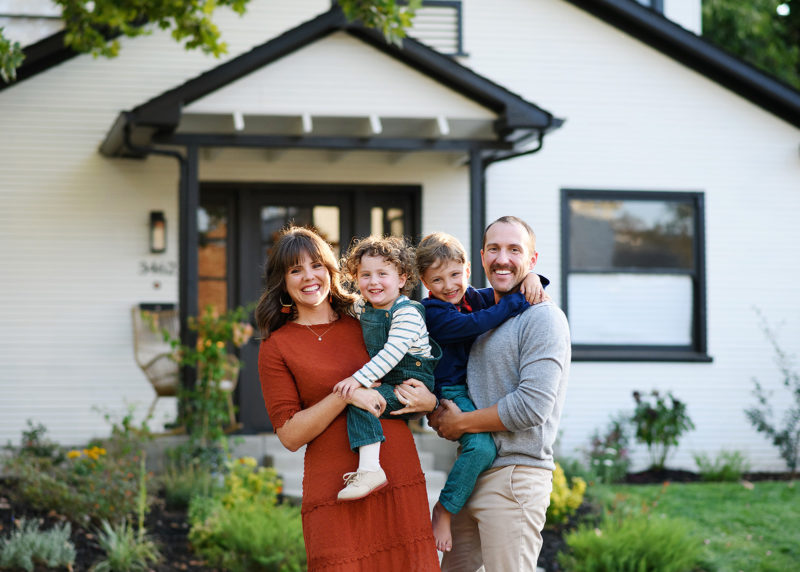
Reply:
x=361, y=483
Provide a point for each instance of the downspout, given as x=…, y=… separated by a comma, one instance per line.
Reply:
x=539, y=145
x=188, y=337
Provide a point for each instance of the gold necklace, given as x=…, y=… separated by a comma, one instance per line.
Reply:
x=319, y=336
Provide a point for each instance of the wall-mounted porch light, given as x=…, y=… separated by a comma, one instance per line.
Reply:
x=158, y=232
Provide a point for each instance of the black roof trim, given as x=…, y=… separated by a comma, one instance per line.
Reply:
x=163, y=111
x=698, y=54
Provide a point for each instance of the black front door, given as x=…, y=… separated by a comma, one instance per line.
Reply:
x=239, y=223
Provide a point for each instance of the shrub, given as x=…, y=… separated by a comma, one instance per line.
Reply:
x=608, y=455
x=564, y=499
x=635, y=543
x=247, y=538
x=727, y=466
x=96, y=483
x=28, y=546
x=34, y=443
x=243, y=528
x=659, y=424
x=785, y=435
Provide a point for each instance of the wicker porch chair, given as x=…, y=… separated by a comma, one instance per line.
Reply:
x=152, y=353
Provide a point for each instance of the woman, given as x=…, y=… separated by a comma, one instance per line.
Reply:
x=310, y=344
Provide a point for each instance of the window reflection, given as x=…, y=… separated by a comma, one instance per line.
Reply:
x=606, y=234
x=212, y=257
x=324, y=219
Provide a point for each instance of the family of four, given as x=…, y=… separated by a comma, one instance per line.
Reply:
x=340, y=373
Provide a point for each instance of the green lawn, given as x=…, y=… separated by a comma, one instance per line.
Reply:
x=748, y=529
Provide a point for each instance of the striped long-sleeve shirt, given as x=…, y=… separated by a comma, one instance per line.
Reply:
x=407, y=334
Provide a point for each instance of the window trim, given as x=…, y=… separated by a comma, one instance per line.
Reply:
x=698, y=352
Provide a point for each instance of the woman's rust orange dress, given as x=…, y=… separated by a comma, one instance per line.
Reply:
x=389, y=529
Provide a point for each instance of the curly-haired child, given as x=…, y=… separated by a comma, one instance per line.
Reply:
x=397, y=340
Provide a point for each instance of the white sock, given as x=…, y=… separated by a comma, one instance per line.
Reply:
x=369, y=457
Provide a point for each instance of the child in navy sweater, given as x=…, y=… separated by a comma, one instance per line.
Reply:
x=456, y=314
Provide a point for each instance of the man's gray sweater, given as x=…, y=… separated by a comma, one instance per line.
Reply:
x=523, y=366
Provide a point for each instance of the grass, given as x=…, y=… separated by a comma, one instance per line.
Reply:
x=749, y=528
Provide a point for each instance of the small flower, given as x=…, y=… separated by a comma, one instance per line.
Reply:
x=74, y=454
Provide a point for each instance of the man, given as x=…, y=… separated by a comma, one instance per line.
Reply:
x=517, y=377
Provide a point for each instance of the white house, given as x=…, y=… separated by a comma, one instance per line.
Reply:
x=662, y=177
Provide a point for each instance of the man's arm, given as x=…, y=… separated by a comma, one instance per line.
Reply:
x=544, y=349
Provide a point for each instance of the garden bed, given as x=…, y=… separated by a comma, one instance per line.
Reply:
x=168, y=528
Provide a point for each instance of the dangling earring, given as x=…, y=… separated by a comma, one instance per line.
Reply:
x=285, y=308
x=330, y=298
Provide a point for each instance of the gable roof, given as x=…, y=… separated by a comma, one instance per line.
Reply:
x=629, y=16
x=518, y=120
x=698, y=54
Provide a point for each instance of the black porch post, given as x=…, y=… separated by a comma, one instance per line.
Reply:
x=187, y=274
x=477, y=214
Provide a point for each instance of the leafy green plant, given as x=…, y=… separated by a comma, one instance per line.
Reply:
x=28, y=546
x=204, y=410
x=243, y=528
x=125, y=550
x=784, y=434
x=390, y=17
x=607, y=455
x=632, y=543
x=128, y=550
x=659, y=420
x=726, y=466
x=565, y=497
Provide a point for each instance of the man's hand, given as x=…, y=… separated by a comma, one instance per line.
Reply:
x=445, y=420
x=415, y=396
x=346, y=388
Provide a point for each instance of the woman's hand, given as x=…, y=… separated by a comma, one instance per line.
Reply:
x=368, y=400
x=415, y=396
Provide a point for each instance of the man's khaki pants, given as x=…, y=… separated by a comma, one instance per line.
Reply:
x=500, y=527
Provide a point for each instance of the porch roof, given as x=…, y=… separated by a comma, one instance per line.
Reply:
x=473, y=112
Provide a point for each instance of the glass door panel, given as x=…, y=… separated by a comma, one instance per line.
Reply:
x=212, y=257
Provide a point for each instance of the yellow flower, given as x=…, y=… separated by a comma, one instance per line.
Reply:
x=74, y=454
x=220, y=345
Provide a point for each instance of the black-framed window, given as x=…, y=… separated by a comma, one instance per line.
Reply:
x=633, y=274
x=438, y=24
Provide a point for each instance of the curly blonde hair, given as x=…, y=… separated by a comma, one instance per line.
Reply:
x=392, y=248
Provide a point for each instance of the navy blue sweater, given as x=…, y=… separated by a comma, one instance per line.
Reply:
x=455, y=328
